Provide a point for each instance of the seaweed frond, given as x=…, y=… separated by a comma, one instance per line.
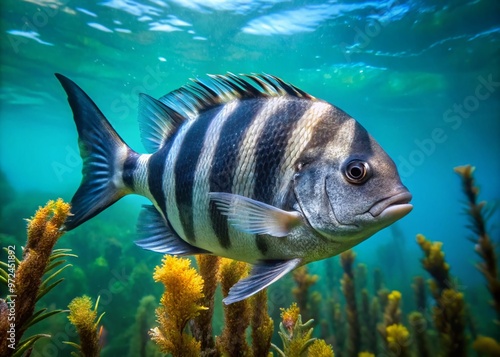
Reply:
x=435, y=264
x=484, y=245
x=179, y=304
x=420, y=295
x=419, y=326
x=320, y=348
x=449, y=319
x=262, y=325
x=208, y=268
x=84, y=318
x=398, y=340
x=140, y=343
x=237, y=315
x=393, y=311
x=34, y=276
x=295, y=335
x=339, y=326
x=449, y=312
x=349, y=290
x=369, y=322
x=303, y=281
x=392, y=315
x=486, y=346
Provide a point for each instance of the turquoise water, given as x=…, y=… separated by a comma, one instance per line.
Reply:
x=422, y=76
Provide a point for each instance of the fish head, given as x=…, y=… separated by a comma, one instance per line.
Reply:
x=350, y=188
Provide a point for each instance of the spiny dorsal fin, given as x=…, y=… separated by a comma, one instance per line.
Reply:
x=203, y=94
x=160, y=118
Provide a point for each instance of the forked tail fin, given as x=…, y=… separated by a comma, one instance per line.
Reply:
x=103, y=153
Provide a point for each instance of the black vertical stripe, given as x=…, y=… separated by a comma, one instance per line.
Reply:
x=185, y=168
x=361, y=141
x=156, y=166
x=261, y=243
x=129, y=167
x=324, y=133
x=272, y=145
x=226, y=159
x=270, y=151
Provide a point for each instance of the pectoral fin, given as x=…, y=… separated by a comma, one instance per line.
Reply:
x=255, y=217
x=159, y=237
x=262, y=275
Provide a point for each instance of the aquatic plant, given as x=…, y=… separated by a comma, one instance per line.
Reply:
x=208, y=268
x=84, y=318
x=32, y=278
x=365, y=354
x=449, y=311
x=435, y=265
x=140, y=343
x=449, y=319
x=232, y=341
x=348, y=288
x=368, y=317
x=367, y=320
x=374, y=319
x=361, y=276
x=383, y=298
x=419, y=291
x=478, y=214
x=486, y=346
x=339, y=327
x=262, y=325
x=179, y=304
x=304, y=281
x=419, y=328
x=398, y=340
x=320, y=348
x=392, y=317
x=296, y=336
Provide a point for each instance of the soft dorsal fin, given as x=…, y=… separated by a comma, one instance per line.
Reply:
x=157, y=122
x=160, y=118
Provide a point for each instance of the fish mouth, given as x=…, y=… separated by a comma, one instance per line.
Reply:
x=394, y=207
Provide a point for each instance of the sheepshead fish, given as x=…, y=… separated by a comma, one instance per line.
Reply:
x=246, y=167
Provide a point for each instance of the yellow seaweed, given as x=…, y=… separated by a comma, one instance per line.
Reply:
x=34, y=274
x=84, y=318
x=237, y=315
x=486, y=346
x=179, y=304
x=484, y=245
x=398, y=339
x=320, y=348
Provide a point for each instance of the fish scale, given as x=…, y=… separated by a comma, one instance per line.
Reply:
x=245, y=167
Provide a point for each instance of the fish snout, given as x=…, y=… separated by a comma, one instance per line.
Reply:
x=393, y=207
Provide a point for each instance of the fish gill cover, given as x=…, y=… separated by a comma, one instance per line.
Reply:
x=421, y=76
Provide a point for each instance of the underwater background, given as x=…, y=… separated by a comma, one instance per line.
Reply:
x=423, y=77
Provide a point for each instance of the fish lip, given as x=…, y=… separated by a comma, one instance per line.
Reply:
x=398, y=204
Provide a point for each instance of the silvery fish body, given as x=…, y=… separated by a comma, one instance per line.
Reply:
x=244, y=167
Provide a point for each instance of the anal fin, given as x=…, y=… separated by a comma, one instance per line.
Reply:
x=156, y=235
x=263, y=274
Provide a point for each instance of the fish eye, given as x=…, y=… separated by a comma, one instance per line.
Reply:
x=357, y=172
